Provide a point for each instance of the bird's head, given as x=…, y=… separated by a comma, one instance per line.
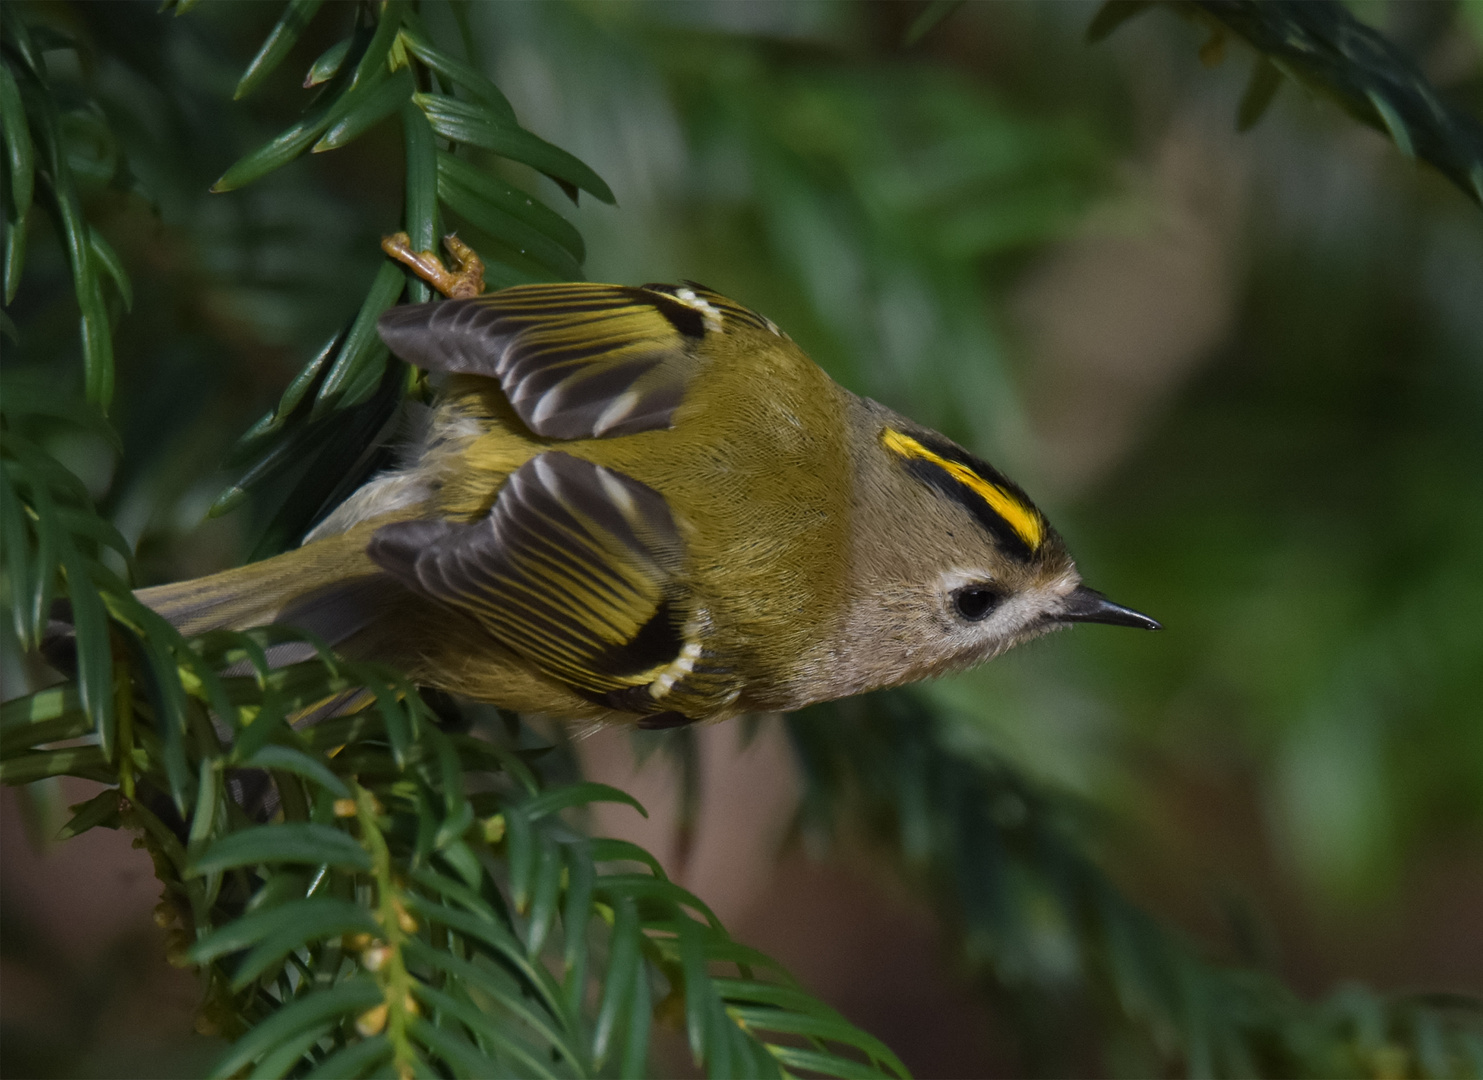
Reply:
x=951, y=563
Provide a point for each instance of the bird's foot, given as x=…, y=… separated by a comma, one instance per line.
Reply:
x=467, y=277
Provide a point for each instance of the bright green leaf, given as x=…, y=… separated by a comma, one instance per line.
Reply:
x=458, y=72
x=277, y=45
x=512, y=201
x=623, y=960
x=287, y=843
x=88, y=762
x=113, y=266
x=357, y=1059
x=478, y=204
x=579, y=794
x=300, y=1015
x=103, y=809
x=487, y=1027
x=20, y=156
x=327, y=65
x=280, y=1060
x=386, y=98
x=312, y=915
x=288, y=759
x=470, y=124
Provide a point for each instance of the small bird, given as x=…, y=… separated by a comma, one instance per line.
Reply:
x=649, y=506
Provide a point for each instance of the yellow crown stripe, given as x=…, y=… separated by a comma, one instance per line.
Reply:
x=1022, y=519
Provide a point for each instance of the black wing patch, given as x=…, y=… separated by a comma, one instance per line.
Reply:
x=573, y=569
x=576, y=360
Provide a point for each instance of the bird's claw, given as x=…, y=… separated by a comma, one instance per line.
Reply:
x=467, y=279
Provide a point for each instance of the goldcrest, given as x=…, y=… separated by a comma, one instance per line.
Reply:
x=648, y=505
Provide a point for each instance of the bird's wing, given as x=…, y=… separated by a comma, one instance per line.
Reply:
x=576, y=360
x=573, y=569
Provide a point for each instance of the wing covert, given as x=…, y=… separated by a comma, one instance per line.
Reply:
x=575, y=360
x=573, y=569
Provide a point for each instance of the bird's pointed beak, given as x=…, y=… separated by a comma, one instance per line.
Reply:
x=1088, y=605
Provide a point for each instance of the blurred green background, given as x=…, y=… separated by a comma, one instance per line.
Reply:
x=1243, y=373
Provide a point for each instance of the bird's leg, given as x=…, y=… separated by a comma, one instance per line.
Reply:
x=470, y=267
x=464, y=281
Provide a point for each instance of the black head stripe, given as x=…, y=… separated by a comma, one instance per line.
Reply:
x=998, y=504
x=953, y=452
x=934, y=476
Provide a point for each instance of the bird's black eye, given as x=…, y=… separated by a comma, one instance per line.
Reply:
x=975, y=602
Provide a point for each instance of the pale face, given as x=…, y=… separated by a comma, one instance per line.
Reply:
x=914, y=621
x=981, y=614
x=950, y=565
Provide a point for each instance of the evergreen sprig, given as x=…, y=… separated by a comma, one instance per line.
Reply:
x=1005, y=860
x=449, y=112
x=1322, y=46
x=427, y=900
x=51, y=149
x=420, y=899
x=424, y=898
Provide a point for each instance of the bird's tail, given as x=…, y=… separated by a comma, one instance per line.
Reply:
x=329, y=587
